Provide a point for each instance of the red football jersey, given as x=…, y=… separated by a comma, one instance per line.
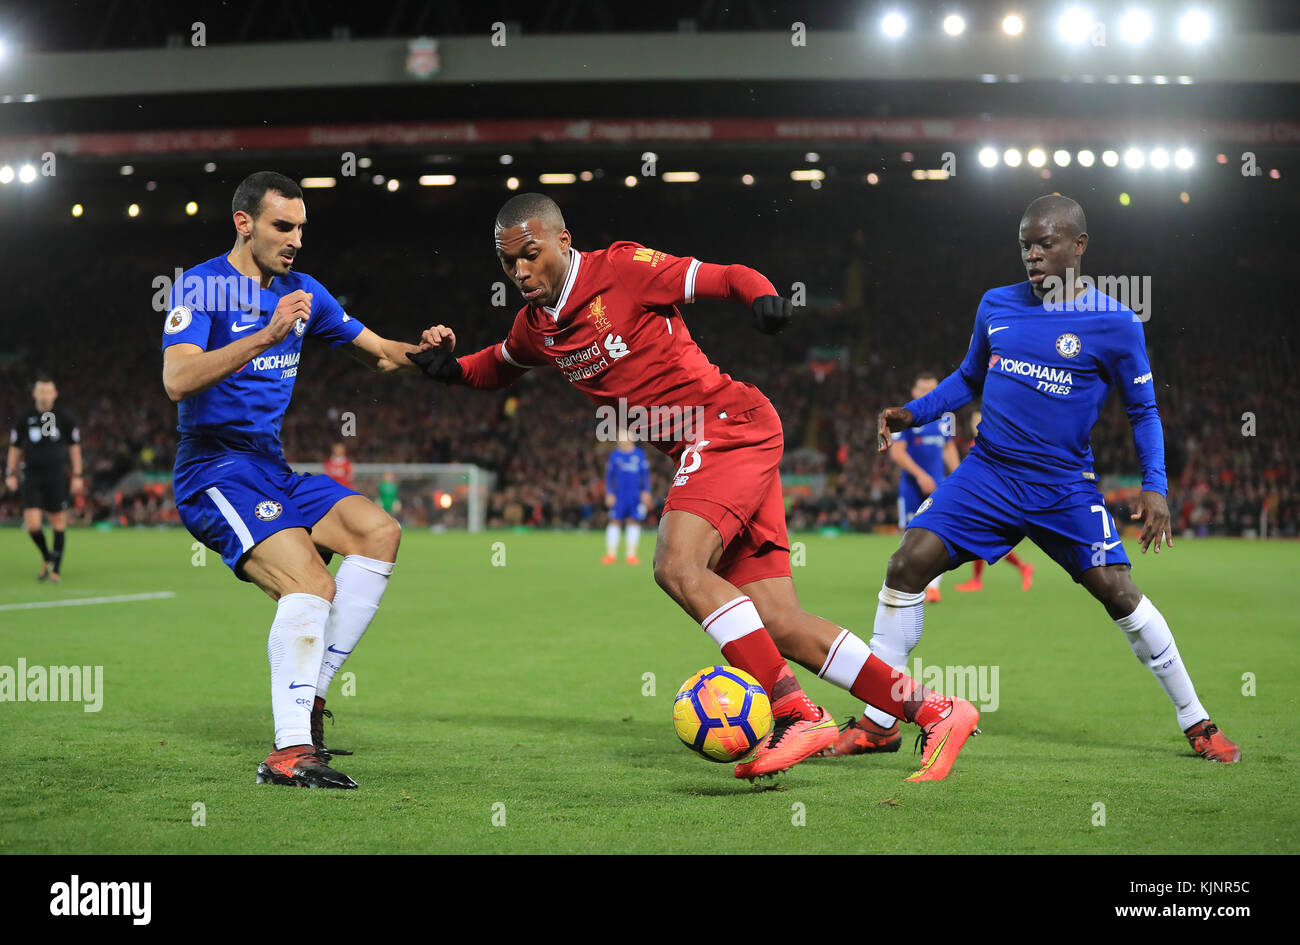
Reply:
x=616, y=332
x=340, y=470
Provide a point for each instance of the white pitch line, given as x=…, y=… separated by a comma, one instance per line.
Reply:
x=82, y=601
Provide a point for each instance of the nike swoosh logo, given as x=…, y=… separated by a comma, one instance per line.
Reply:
x=1107, y=545
x=999, y=328
x=339, y=652
x=235, y=328
x=300, y=685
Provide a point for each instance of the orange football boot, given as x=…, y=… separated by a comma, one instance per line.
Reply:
x=1210, y=743
x=864, y=737
x=301, y=766
x=633, y=559
x=941, y=741
x=793, y=739
x=967, y=587
x=932, y=595
x=608, y=559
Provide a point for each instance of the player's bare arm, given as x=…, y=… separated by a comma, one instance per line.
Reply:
x=1153, y=513
x=383, y=354
x=12, y=463
x=189, y=370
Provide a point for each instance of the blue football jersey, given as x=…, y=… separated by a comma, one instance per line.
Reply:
x=627, y=474
x=214, y=305
x=925, y=444
x=1044, y=372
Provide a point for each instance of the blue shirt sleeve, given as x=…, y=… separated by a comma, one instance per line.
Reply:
x=962, y=385
x=1130, y=371
x=185, y=324
x=328, y=322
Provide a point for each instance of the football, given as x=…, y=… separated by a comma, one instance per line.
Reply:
x=722, y=713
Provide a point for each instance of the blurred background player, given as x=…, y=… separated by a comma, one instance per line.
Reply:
x=609, y=321
x=925, y=455
x=45, y=441
x=338, y=467
x=388, y=500
x=976, y=582
x=230, y=365
x=627, y=496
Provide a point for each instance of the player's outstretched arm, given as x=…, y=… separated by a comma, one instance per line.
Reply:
x=189, y=370
x=385, y=355
x=892, y=420
x=747, y=286
x=487, y=369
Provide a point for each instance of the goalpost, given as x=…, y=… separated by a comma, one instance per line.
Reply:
x=428, y=495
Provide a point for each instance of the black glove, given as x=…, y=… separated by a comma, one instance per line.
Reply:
x=771, y=313
x=437, y=363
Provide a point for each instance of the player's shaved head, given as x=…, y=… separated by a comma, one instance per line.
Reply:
x=532, y=246
x=1063, y=211
x=252, y=189
x=518, y=210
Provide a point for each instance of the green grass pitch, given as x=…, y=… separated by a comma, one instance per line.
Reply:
x=503, y=709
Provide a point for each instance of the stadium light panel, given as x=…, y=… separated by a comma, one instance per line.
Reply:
x=873, y=178
x=506, y=159
x=557, y=178
x=587, y=176
x=629, y=181
x=747, y=180
x=209, y=167
x=1184, y=197
x=191, y=208
x=1110, y=158
x=1085, y=158
x=1075, y=25
x=78, y=210
x=1135, y=26
x=393, y=184
x=1194, y=26
x=988, y=157
x=1061, y=157
x=1013, y=25
x=126, y=170
x=1159, y=159
x=1011, y=157
x=1183, y=159
x=1036, y=157
x=133, y=211
x=317, y=182
x=437, y=180
x=812, y=157
x=6, y=174
x=893, y=25
x=27, y=174
x=681, y=177
x=1134, y=159
x=954, y=25
x=811, y=173
x=1124, y=200
x=512, y=183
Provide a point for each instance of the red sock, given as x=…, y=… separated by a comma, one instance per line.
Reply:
x=1012, y=559
x=884, y=687
x=979, y=569
x=757, y=655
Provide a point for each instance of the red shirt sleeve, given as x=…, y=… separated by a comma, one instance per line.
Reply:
x=660, y=280
x=500, y=365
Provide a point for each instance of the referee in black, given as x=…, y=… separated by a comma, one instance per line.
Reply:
x=48, y=438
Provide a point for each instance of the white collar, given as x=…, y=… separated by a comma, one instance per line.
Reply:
x=575, y=260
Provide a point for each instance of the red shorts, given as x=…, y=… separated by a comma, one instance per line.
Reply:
x=731, y=477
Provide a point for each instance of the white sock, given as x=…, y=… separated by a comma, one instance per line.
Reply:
x=294, y=649
x=358, y=588
x=633, y=538
x=935, y=582
x=734, y=619
x=844, y=660
x=1153, y=644
x=900, y=618
x=611, y=539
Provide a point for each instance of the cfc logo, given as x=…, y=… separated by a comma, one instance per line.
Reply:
x=925, y=505
x=300, y=326
x=1068, y=345
x=267, y=510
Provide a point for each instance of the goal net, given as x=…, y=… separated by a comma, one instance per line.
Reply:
x=423, y=495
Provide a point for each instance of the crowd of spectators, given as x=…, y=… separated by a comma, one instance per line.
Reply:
x=883, y=303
